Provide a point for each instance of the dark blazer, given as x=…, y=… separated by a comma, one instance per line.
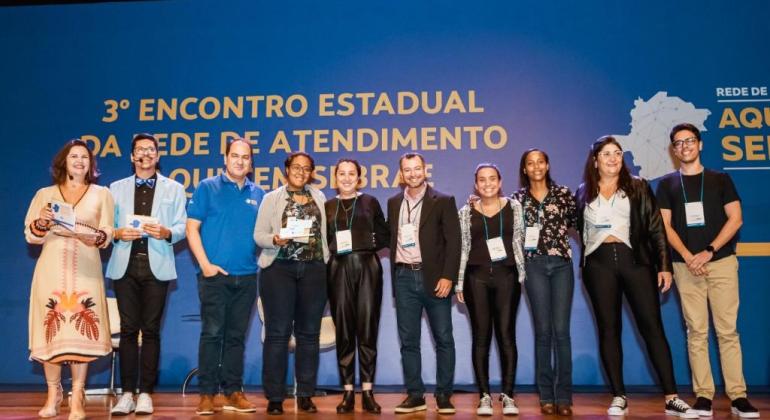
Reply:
x=439, y=237
x=647, y=233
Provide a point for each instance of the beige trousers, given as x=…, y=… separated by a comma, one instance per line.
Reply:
x=719, y=291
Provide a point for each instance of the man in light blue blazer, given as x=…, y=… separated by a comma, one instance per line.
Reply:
x=150, y=218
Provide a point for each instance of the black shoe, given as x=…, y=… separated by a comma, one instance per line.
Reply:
x=702, y=406
x=444, y=405
x=369, y=404
x=743, y=408
x=412, y=404
x=348, y=402
x=306, y=404
x=274, y=408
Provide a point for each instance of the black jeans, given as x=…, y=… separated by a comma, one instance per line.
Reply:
x=355, y=297
x=293, y=298
x=492, y=295
x=226, y=303
x=609, y=274
x=141, y=299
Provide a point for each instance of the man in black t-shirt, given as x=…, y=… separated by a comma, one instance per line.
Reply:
x=702, y=214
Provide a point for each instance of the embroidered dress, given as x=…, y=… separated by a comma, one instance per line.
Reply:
x=67, y=306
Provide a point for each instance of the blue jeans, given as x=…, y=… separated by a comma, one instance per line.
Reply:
x=550, y=283
x=226, y=303
x=293, y=298
x=410, y=301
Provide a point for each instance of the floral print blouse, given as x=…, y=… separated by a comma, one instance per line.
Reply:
x=558, y=213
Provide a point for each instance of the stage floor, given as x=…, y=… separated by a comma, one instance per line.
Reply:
x=24, y=405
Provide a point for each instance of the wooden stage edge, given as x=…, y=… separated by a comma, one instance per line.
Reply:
x=168, y=405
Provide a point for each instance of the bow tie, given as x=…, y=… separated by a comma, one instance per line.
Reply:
x=149, y=182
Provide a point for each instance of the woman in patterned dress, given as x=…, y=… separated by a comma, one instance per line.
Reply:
x=68, y=320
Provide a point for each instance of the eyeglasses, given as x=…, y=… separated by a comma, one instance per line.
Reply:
x=607, y=153
x=297, y=168
x=145, y=151
x=688, y=141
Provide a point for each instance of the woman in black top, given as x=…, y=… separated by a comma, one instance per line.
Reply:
x=489, y=282
x=356, y=231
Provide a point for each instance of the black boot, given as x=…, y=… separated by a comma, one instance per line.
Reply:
x=368, y=402
x=348, y=402
x=306, y=405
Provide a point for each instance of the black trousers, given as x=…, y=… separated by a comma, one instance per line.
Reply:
x=141, y=299
x=609, y=274
x=355, y=296
x=492, y=295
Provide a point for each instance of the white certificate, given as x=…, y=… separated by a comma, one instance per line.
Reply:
x=297, y=229
x=137, y=221
x=63, y=214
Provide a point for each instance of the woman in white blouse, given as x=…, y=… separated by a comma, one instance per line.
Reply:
x=625, y=254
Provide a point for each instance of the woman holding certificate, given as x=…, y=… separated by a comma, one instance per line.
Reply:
x=68, y=321
x=489, y=282
x=291, y=230
x=356, y=231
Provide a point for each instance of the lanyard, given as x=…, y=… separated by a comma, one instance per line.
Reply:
x=539, y=207
x=702, y=178
x=409, y=209
x=612, y=203
x=352, y=214
x=484, y=218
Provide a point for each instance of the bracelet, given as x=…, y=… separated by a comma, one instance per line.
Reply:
x=40, y=226
x=101, y=239
x=33, y=228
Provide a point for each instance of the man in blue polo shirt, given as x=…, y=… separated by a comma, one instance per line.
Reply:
x=220, y=216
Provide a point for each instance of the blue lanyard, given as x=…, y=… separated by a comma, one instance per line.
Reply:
x=612, y=203
x=352, y=214
x=484, y=218
x=684, y=193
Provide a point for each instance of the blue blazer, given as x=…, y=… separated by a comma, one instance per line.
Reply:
x=168, y=206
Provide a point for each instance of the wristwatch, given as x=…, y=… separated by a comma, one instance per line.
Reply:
x=710, y=249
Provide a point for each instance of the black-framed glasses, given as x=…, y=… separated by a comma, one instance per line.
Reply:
x=688, y=141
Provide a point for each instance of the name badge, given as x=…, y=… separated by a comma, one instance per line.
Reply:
x=694, y=214
x=407, y=235
x=531, y=238
x=603, y=217
x=344, y=242
x=496, y=249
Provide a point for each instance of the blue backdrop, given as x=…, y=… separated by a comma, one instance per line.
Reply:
x=327, y=77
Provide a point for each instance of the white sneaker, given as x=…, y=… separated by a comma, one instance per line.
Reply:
x=144, y=404
x=125, y=405
x=485, y=406
x=509, y=406
x=618, y=407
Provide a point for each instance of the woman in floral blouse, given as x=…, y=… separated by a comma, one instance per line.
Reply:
x=549, y=212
